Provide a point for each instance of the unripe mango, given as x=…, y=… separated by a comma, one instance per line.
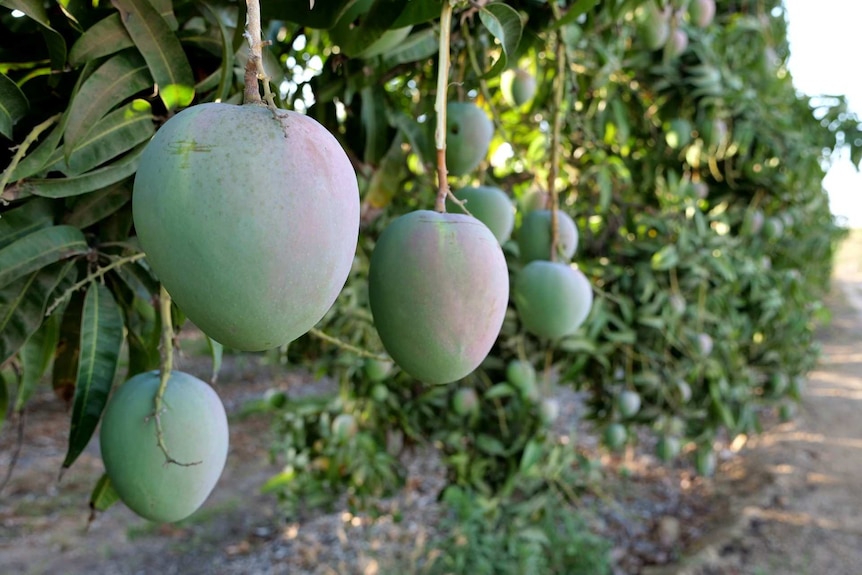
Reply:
x=195, y=431
x=249, y=220
x=489, y=205
x=552, y=298
x=518, y=86
x=438, y=286
x=534, y=236
x=701, y=12
x=468, y=135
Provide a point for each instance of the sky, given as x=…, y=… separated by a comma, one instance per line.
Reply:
x=823, y=37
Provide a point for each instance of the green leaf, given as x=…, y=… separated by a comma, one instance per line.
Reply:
x=216, y=353
x=419, y=46
x=101, y=340
x=13, y=105
x=35, y=161
x=138, y=279
x=108, y=36
x=103, y=38
x=356, y=40
x=104, y=495
x=603, y=178
x=41, y=248
x=65, y=370
x=161, y=49
x=4, y=398
x=166, y=9
x=320, y=14
x=490, y=445
x=418, y=12
x=27, y=218
x=504, y=23
x=665, y=259
x=36, y=356
x=374, y=124
x=416, y=135
x=35, y=10
x=574, y=12
x=386, y=179
x=116, y=133
x=531, y=456
x=499, y=390
x=124, y=75
x=95, y=207
x=23, y=303
x=85, y=183
x=227, y=53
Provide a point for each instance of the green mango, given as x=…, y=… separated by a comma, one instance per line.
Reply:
x=250, y=221
x=195, y=430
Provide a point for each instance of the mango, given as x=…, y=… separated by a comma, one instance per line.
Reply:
x=518, y=86
x=653, y=25
x=195, y=431
x=249, y=220
x=701, y=12
x=534, y=236
x=489, y=205
x=468, y=135
x=553, y=299
x=438, y=289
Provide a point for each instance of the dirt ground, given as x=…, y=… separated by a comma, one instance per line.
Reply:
x=785, y=502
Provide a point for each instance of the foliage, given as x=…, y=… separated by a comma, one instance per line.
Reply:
x=327, y=448
x=694, y=180
x=539, y=533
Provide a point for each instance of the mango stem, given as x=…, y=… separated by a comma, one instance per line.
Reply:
x=254, y=69
x=559, y=88
x=167, y=365
x=440, y=106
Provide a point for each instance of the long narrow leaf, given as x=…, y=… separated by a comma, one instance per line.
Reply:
x=31, y=216
x=85, y=183
x=4, y=398
x=227, y=52
x=377, y=20
x=103, y=38
x=13, y=105
x=23, y=303
x=65, y=371
x=216, y=353
x=574, y=12
x=36, y=356
x=319, y=14
x=374, y=123
x=124, y=75
x=101, y=340
x=114, y=134
x=161, y=49
x=505, y=24
x=104, y=495
x=95, y=207
x=39, y=249
x=36, y=160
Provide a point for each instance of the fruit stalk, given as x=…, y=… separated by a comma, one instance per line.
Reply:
x=358, y=351
x=440, y=106
x=254, y=70
x=559, y=88
x=167, y=365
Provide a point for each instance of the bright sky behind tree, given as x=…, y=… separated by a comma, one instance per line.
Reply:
x=823, y=38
